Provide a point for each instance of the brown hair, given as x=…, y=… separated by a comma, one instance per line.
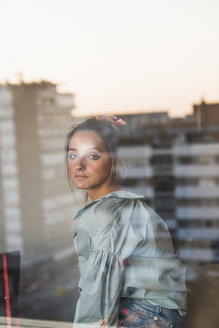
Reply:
x=108, y=134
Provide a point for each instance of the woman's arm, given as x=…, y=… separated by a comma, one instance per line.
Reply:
x=101, y=291
x=102, y=284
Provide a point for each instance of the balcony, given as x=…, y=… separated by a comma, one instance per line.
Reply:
x=195, y=254
x=196, y=170
x=197, y=192
x=198, y=233
x=192, y=212
x=137, y=172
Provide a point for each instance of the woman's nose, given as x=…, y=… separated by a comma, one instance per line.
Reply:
x=80, y=163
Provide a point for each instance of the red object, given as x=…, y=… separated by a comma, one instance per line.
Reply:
x=125, y=262
x=125, y=311
x=7, y=295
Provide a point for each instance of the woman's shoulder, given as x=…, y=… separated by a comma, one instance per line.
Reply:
x=124, y=194
x=120, y=204
x=142, y=216
x=117, y=202
x=109, y=202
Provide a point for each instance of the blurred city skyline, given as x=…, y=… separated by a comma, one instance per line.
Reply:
x=172, y=162
x=115, y=56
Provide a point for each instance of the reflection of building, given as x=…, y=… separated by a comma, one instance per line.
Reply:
x=136, y=170
x=174, y=163
x=11, y=221
x=197, y=198
x=36, y=205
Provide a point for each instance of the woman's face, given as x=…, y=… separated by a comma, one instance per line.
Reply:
x=89, y=163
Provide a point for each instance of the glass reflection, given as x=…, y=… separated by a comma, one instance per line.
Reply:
x=172, y=162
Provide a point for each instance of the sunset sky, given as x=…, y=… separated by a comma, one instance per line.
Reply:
x=115, y=55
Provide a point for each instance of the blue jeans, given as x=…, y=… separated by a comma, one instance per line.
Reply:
x=136, y=312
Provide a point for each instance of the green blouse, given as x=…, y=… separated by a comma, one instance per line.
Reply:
x=124, y=249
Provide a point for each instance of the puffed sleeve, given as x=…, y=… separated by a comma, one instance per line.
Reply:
x=103, y=280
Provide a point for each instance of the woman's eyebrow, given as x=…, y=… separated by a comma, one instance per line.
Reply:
x=97, y=148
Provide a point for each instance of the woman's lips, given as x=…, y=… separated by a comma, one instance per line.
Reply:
x=81, y=176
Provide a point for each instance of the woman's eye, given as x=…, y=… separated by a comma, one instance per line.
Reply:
x=72, y=156
x=94, y=156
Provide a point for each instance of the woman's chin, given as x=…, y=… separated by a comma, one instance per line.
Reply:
x=80, y=185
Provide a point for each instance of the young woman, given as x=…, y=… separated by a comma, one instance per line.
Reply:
x=130, y=276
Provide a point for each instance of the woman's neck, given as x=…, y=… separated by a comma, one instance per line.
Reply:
x=95, y=194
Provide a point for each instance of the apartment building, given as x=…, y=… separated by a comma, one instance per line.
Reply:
x=35, y=203
x=182, y=158
x=196, y=168
x=10, y=214
x=136, y=170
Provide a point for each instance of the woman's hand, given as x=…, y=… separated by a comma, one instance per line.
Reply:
x=103, y=324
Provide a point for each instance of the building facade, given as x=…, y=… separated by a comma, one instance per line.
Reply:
x=35, y=203
x=174, y=163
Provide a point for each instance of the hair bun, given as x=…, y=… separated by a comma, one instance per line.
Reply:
x=111, y=118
